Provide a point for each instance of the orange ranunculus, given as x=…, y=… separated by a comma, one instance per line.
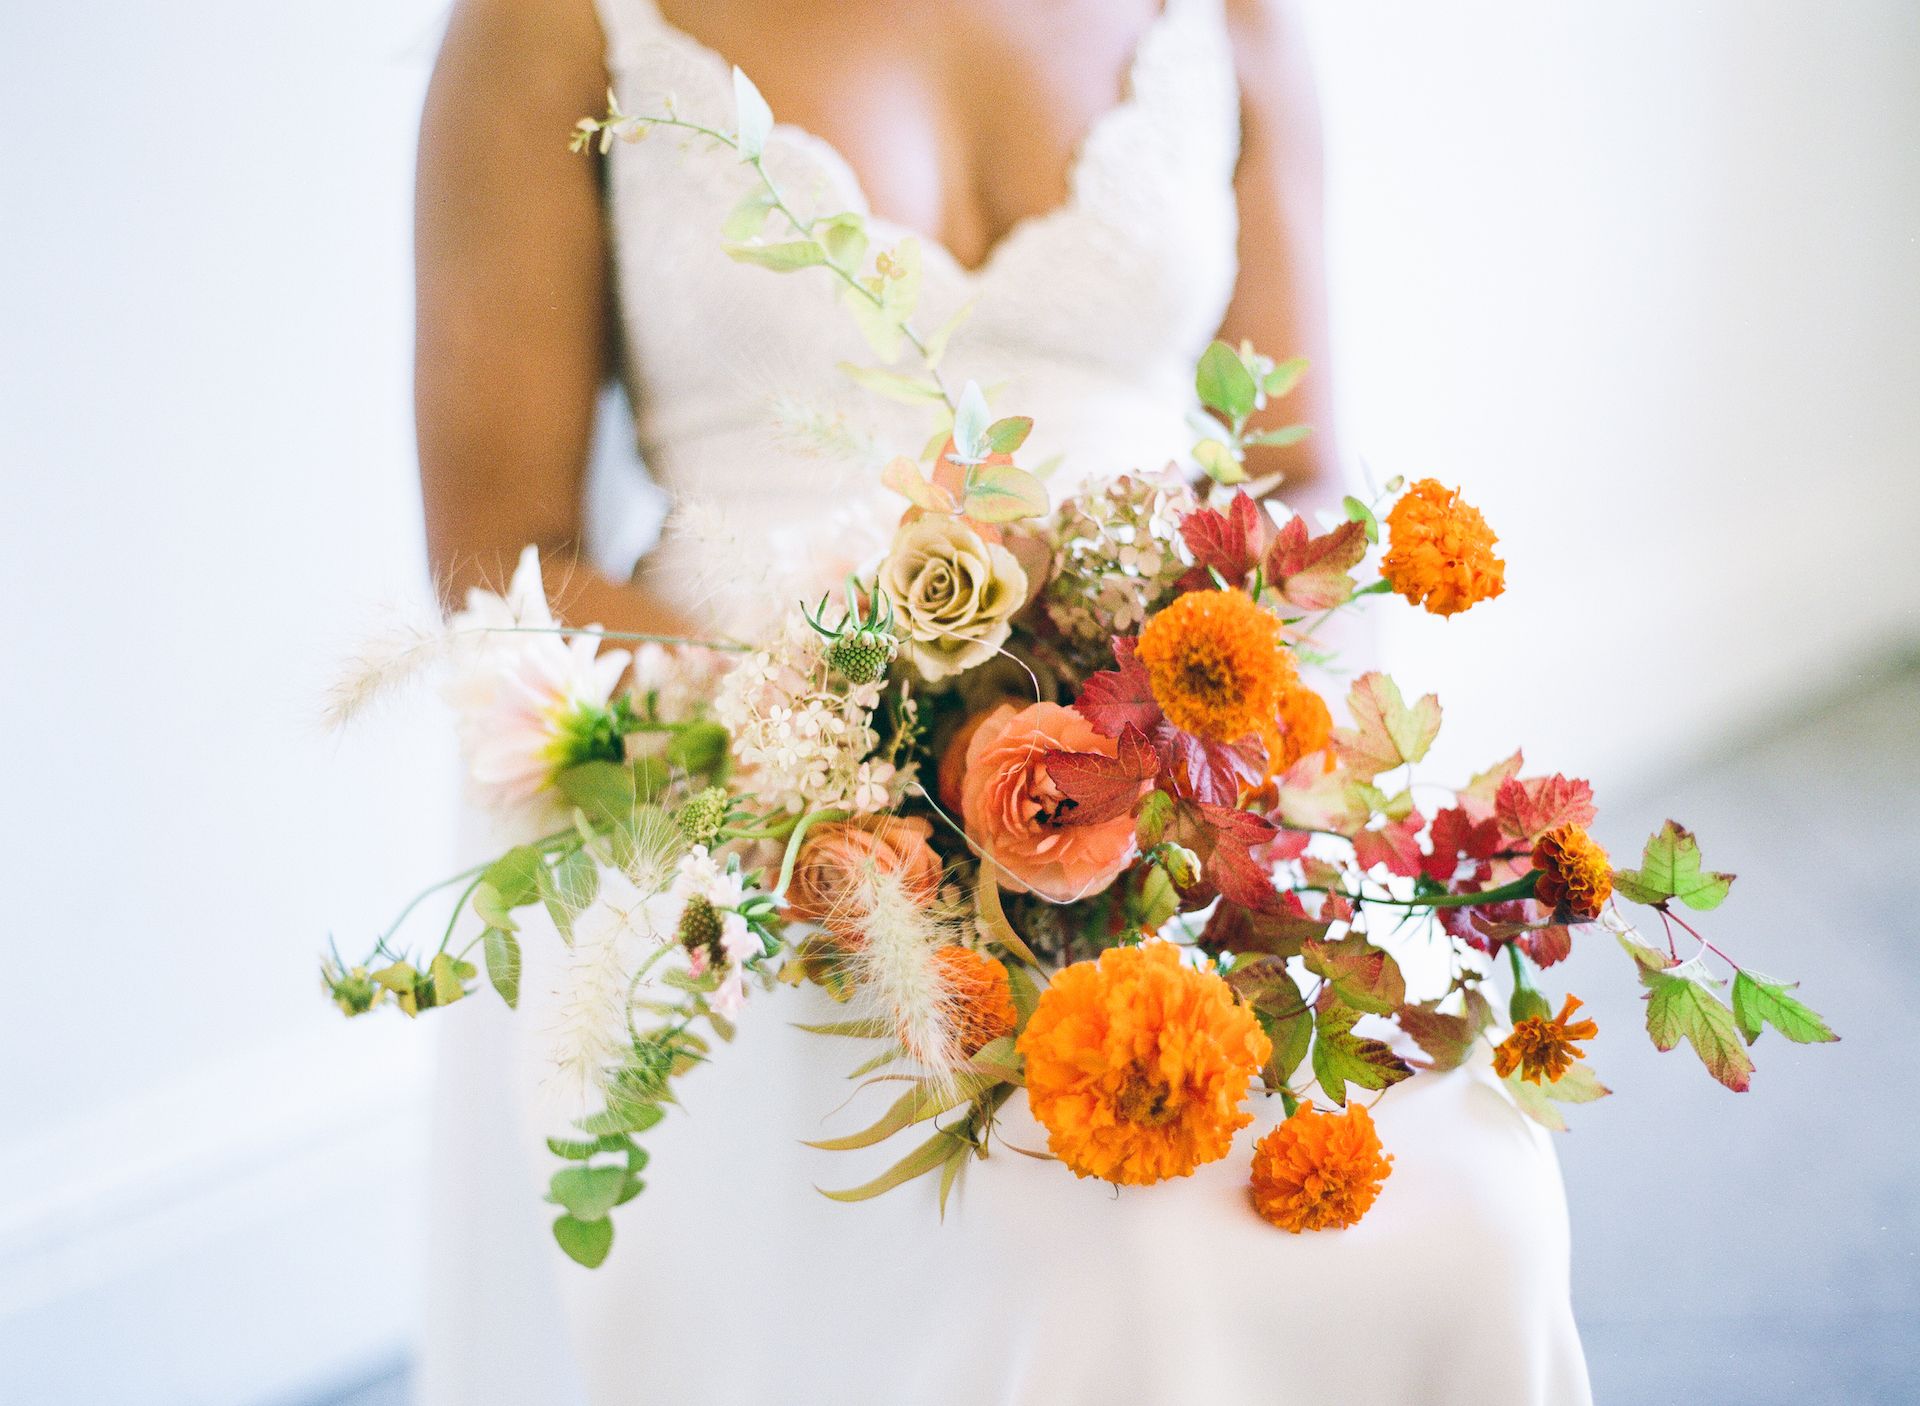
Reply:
x=977, y=996
x=838, y=861
x=1318, y=1171
x=1012, y=808
x=1440, y=551
x=1137, y=1065
x=1575, y=875
x=953, y=764
x=1542, y=1049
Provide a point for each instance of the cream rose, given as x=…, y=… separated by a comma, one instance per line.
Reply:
x=954, y=593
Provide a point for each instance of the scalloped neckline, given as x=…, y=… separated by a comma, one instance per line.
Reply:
x=1108, y=121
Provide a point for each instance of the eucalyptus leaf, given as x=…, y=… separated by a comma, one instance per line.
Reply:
x=1279, y=437
x=1005, y=436
x=781, y=258
x=502, y=951
x=1224, y=383
x=909, y=390
x=587, y=1193
x=748, y=218
x=586, y=1242
x=1003, y=493
x=1219, y=462
x=753, y=119
x=970, y=425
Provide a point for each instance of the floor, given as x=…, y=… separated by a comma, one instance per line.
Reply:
x=1761, y=1247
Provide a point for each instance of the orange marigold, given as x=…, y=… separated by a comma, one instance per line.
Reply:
x=979, y=999
x=1575, y=875
x=1137, y=1065
x=1305, y=726
x=1217, y=665
x=1441, y=554
x=1542, y=1049
x=1318, y=1171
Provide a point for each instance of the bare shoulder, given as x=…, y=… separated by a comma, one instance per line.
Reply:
x=529, y=51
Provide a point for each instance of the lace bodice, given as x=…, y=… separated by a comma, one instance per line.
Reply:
x=1087, y=317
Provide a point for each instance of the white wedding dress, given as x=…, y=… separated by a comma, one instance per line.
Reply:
x=730, y=1279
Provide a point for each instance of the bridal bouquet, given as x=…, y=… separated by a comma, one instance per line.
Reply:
x=1045, y=798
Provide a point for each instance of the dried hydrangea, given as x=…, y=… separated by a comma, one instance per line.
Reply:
x=803, y=737
x=1116, y=552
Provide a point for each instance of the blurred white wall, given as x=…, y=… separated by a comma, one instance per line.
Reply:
x=1641, y=277
x=207, y=1181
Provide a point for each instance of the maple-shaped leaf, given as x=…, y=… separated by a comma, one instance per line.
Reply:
x=1547, y=944
x=1310, y=797
x=1312, y=572
x=1230, y=543
x=1230, y=867
x=1758, y=1001
x=1681, y=1006
x=1100, y=788
x=1528, y=808
x=1477, y=796
x=1232, y=928
x=1577, y=1085
x=1395, y=844
x=1446, y=1039
x=1115, y=699
x=1386, y=732
x=1213, y=772
x=1456, y=835
x=1361, y=975
x=1284, y=1015
x=1285, y=845
x=1670, y=868
x=1341, y=1058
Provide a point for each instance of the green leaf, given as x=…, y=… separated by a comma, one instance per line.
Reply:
x=1359, y=512
x=1758, y=1001
x=578, y=1150
x=1003, y=493
x=748, y=218
x=1537, y=1101
x=1000, y=1061
x=609, y=791
x=1224, y=383
x=585, y=1241
x=621, y=1116
x=781, y=258
x=923, y=1159
x=1340, y=1057
x=1219, y=462
x=845, y=239
x=872, y=1028
x=924, y=1100
x=568, y=887
x=449, y=976
x=1386, y=732
x=1670, y=868
x=1285, y=376
x=970, y=425
x=698, y=747
x=1291, y=1034
x=909, y=390
x=753, y=119
x=1005, y=436
x=1361, y=975
x=515, y=876
x=502, y=951
x=950, y=1173
x=1279, y=437
x=588, y=1193
x=1158, y=899
x=1151, y=823
x=1682, y=1008
x=490, y=908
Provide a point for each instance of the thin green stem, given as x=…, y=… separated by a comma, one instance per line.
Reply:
x=1521, y=887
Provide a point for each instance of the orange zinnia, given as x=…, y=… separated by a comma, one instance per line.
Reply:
x=1137, y=1065
x=1318, y=1171
x=979, y=999
x=1575, y=876
x=1217, y=666
x=1542, y=1049
x=1441, y=557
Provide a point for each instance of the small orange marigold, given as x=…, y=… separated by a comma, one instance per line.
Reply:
x=1306, y=726
x=1575, y=875
x=1137, y=1065
x=1318, y=1171
x=979, y=998
x=1217, y=665
x=1441, y=553
x=1542, y=1049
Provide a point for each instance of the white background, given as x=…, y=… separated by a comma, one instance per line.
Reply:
x=1642, y=277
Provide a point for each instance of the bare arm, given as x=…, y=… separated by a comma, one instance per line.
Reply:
x=512, y=295
x=1280, y=302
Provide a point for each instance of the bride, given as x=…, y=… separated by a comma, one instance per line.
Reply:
x=1106, y=186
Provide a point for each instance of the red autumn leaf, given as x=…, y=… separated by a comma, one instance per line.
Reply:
x=1547, y=945
x=1395, y=844
x=1231, y=543
x=1527, y=809
x=1311, y=572
x=1476, y=926
x=1229, y=865
x=1456, y=834
x=1115, y=699
x=1477, y=799
x=1287, y=844
x=1211, y=772
x=1232, y=928
x=1098, y=787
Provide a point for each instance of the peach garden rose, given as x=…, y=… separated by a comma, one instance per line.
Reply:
x=1013, y=809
